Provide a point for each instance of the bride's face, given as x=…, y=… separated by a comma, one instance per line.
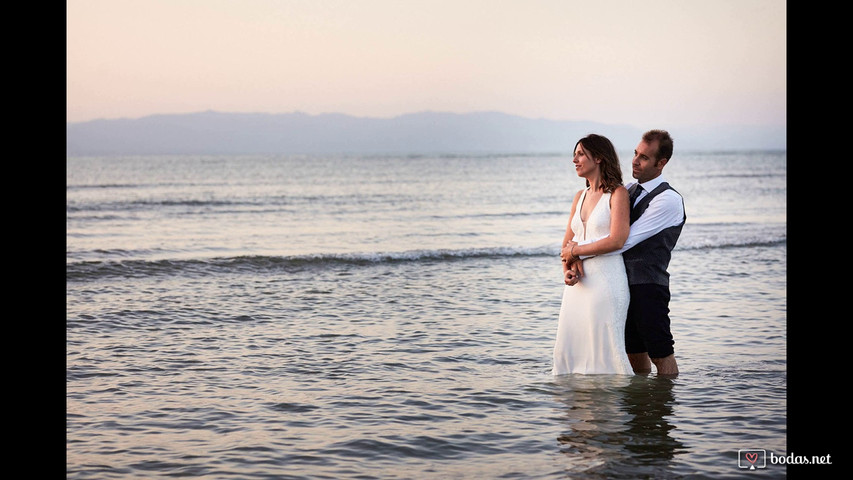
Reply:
x=584, y=163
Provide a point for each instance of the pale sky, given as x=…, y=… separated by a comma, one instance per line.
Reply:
x=636, y=62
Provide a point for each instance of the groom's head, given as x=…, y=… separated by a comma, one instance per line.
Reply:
x=651, y=155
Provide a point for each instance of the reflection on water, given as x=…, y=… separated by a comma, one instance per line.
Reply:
x=617, y=426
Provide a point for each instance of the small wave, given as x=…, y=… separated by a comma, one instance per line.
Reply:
x=702, y=236
x=500, y=215
x=97, y=186
x=271, y=204
x=137, y=268
x=741, y=175
x=746, y=244
x=148, y=204
x=142, y=268
x=101, y=185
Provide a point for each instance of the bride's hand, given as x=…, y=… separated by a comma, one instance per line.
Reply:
x=566, y=252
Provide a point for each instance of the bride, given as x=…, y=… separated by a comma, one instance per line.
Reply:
x=591, y=329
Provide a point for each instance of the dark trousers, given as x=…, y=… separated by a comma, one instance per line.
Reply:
x=647, y=326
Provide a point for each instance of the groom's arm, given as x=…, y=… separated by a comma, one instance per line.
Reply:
x=666, y=210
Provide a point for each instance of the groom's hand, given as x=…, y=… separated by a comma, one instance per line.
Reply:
x=578, y=267
x=573, y=274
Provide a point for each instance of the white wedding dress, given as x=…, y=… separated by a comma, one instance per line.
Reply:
x=591, y=331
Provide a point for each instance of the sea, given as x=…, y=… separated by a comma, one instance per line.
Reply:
x=393, y=317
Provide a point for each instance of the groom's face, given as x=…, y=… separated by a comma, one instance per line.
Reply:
x=645, y=165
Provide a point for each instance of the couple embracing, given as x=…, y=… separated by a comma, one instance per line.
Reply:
x=614, y=316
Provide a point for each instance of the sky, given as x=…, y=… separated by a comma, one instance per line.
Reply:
x=640, y=63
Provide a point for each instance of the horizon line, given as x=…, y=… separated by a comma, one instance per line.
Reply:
x=421, y=112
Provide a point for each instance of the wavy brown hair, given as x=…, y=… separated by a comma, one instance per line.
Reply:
x=600, y=147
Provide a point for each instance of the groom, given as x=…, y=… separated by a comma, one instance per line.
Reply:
x=657, y=217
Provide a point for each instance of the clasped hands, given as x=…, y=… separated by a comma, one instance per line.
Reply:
x=572, y=266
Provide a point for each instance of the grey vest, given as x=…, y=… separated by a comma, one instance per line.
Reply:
x=647, y=261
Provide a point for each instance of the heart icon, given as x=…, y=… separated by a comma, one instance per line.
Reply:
x=751, y=457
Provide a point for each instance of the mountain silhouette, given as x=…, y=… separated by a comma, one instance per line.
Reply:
x=213, y=132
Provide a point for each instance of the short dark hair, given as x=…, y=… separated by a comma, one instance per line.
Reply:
x=664, y=142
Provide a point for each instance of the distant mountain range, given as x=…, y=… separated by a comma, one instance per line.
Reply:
x=427, y=132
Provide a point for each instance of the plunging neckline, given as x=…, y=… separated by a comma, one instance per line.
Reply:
x=580, y=212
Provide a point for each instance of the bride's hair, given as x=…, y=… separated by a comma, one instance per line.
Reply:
x=600, y=147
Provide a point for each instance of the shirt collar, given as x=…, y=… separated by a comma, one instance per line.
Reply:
x=653, y=183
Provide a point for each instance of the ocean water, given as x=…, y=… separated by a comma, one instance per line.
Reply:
x=393, y=317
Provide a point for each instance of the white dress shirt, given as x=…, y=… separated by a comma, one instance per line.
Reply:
x=664, y=211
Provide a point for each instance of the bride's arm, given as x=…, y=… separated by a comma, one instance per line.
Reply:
x=569, y=235
x=619, y=229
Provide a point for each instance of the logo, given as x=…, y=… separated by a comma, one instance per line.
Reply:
x=751, y=458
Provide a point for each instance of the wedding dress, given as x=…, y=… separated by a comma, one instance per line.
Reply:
x=591, y=329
